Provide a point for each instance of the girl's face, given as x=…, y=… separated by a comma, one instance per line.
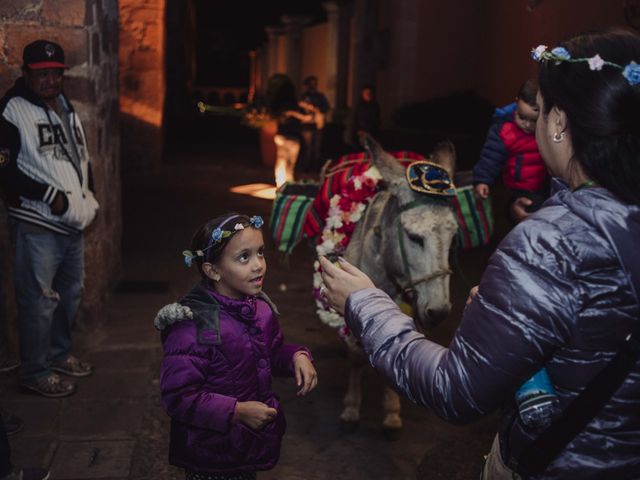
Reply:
x=240, y=270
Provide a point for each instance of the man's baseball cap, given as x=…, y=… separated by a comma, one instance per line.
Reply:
x=43, y=54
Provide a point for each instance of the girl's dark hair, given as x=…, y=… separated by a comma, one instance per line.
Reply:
x=601, y=107
x=202, y=236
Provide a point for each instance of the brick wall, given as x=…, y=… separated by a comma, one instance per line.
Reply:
x=142, y=82
x=88, y=32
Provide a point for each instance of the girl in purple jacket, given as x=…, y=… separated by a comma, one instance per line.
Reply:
x=222, y=342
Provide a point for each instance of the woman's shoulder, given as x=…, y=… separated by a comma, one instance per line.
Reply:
x=561, y=236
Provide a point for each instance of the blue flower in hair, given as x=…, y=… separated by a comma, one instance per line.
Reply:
x=632, y=73
x=216, y=235
x=188, y=258
x=256, y=221
x=561, y=53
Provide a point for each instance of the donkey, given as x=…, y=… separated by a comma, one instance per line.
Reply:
x=402, y=243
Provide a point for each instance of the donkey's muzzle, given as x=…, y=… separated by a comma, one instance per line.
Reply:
x=434, y=316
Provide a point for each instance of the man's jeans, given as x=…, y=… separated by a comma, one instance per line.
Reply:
x=49, y=277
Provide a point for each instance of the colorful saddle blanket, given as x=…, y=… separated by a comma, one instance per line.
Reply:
x=301, y=209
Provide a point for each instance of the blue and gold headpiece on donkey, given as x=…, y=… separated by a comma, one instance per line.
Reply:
x=430, y=178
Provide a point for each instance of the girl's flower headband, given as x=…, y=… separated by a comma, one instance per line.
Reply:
x=541, y=53
x=219, y=234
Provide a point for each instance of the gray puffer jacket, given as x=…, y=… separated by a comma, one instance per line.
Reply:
x=560, y=292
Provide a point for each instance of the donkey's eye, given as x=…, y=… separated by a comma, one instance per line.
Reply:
x=416, y=239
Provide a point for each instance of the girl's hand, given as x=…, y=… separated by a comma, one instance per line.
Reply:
x=340, y=282
x=306, y=376
x=255, y=415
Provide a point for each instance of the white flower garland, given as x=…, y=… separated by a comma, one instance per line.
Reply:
x=344, y=213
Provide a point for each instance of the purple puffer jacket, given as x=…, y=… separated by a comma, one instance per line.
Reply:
x=225, y=354
x=561, y=291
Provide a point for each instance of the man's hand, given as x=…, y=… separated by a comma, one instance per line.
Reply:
x=517, y=208
x=59, y=204
x=306, y=376
x=255, y=415
x=482, y=190
x=342, y=281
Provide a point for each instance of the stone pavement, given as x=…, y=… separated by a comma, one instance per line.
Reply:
x=114, y=427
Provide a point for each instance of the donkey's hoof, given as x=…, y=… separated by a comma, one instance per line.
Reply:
x=391, y=434
x=348, y=426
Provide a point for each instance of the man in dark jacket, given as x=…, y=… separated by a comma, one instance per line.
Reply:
x=46, y=182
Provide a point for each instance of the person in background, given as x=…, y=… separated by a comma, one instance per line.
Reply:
x=561, y=292
x=366, y=115
x=314, y=103
x=291, y=118
x=47, y=184
x=7, y=470
x=511, y=149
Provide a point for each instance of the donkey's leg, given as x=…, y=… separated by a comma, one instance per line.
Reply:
x=392, y=423
x=350, y=415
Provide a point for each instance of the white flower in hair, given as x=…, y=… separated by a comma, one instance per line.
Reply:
x=596, y=62
x=238, y=226
x=538, y=51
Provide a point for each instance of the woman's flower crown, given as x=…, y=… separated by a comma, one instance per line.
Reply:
x=219, y=234
x=630, y=71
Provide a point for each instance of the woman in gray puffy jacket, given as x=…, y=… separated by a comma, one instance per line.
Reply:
x=560, y=292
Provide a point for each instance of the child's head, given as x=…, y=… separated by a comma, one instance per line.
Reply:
x=229, y=253
x=526, y=113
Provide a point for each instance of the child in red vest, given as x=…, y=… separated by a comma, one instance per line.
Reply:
x=510, y=148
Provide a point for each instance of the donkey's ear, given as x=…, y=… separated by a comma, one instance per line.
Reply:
x=444, y=154
x=390, y=169
x=388, y=166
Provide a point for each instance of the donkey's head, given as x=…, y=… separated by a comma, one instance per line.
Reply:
x=417, y=232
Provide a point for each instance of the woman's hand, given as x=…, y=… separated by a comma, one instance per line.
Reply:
x=518, y=208
x=342, y=281
x=255, y=415
x=472, y=294
x=306, y=376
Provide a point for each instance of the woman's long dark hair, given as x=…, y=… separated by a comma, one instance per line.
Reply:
x=602, y=108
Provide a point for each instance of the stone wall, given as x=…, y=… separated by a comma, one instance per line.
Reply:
x=88, y=32
x=142, y=82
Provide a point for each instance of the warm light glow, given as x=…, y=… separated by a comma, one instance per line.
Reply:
x=281, y=174
x=257, y=190
x=141, y=110
x=286, y=156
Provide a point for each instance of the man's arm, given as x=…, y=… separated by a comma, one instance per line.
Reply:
x=14, y=182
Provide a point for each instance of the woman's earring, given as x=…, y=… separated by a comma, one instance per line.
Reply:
x=558, y=137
